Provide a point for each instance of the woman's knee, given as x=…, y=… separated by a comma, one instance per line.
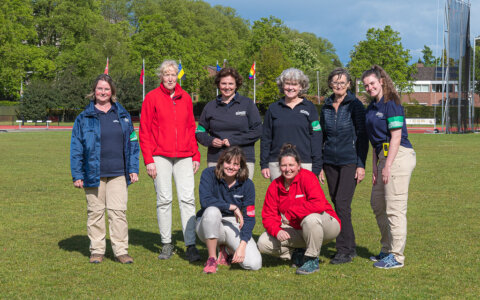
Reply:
x=253, y=262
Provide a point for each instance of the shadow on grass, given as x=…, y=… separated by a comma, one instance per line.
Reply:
x=81, y=244
x=151, y=241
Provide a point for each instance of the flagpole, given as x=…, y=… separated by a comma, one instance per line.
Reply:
x=143, y=85
x=254, y=80
x=217, y=72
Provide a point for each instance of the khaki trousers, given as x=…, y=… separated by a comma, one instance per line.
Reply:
x=389, y=202
x=112, y=195
x=250, y=166
x=317, y=229
x=275, y=169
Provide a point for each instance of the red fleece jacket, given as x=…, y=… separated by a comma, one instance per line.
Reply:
x=167, y=125
x=305, y=196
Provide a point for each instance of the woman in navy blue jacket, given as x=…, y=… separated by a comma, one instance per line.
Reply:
x=227, y=216
x=104, y=161
x=345, y=148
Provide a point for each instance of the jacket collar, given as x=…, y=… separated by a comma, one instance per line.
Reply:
x=282, y=101
x=281, y=179
x=220, y=102
x=90, y=109
x=348, y=98
x=178, y=91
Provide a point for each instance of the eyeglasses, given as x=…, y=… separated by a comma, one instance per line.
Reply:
x=340, y=84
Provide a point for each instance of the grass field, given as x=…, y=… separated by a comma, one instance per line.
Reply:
x=44, y=247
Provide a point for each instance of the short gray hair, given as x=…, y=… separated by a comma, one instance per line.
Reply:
x=167, y=64
x=294, y=75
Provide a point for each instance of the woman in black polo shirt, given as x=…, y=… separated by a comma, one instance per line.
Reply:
x=393, y=163
x=229, y=120
x=292, y=119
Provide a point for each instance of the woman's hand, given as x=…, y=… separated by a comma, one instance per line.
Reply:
x=385, y=174
x=152, y=170
x=217, y=143
x=196, y=166
x=226, y=142
x=78, y=184
x=359, y=174
x=266, y=173
x=239, y=255
x=133, y=177
x=321, y=177
x=282, y=235
x=239, y=217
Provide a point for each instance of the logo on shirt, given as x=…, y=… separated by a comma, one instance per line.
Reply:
x=379, y=114
x=116, y=121
x=316, y=126
x=241, y=113
x=237, y=196
x=299, y=196
x=302, y=111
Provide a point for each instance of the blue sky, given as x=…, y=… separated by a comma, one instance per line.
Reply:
x=345, y=23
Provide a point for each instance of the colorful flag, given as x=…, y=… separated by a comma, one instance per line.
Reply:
x=181, y=73
x=142, y=74
x=106, y=68
x=218, y=68
x=251, y=74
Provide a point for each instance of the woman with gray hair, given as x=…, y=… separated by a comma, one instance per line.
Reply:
x=292, y=119
x=169, y=147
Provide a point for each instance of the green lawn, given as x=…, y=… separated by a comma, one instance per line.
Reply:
x=44, y=247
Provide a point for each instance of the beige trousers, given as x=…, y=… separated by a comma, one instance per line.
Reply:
x=275, y=169
x=112, y=195
x=389, y=202
x=317, y=229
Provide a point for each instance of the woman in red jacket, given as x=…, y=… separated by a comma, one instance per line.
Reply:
x=167, y=140
x=297, y=215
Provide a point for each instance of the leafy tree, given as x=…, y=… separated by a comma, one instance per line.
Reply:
x=270, y=64
x=429, y=59
x=384, y=48
x=39, y=97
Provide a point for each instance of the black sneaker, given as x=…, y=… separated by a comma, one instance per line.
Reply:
x=298, y=257
x=192, y=253
x=167, y=251
x=341, y=258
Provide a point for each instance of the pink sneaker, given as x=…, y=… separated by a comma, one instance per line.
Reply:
x=210, y=266
x=223, y=258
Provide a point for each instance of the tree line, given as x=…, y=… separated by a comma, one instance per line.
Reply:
x=55, y=48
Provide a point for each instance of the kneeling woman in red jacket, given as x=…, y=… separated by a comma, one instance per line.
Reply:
x=297, y=215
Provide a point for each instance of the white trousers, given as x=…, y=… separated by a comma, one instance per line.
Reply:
x=182, y=170
x=225, y=229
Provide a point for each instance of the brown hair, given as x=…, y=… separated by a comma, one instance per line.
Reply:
x=109, y=80
x=289, y=150
x=228, y=155
x=338, y=72
x=389, y=90
x=229, y=72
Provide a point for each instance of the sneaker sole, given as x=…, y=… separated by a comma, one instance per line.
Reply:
x=391, y=267
x=300, y=272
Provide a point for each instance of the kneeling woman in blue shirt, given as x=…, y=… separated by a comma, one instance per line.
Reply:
x=393, y=163
x=227, y=216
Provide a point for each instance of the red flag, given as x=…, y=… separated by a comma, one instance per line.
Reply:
x=142, y=73
x=106, y=68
